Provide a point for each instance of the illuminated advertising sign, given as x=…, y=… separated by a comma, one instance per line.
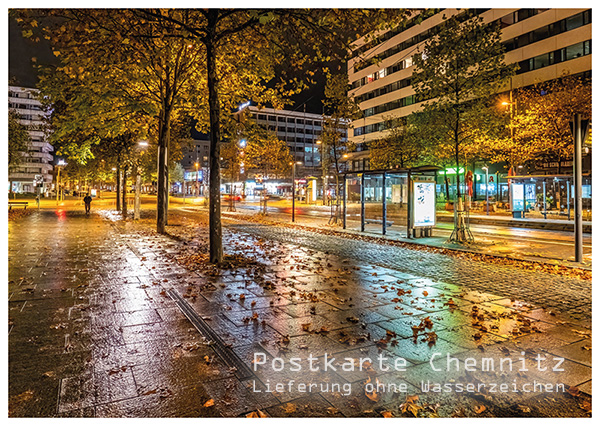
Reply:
x=518, y=201
x=423, y=203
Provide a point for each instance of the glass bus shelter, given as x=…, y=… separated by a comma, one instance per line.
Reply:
x=381, y=201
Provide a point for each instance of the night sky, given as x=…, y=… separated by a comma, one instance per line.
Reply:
x=20, y=52
x=22, y=72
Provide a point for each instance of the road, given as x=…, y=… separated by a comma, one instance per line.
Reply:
x=491, y=239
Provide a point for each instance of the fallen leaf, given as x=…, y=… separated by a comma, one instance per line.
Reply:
x=209, y=403
x=479, y=409
x=256, y=414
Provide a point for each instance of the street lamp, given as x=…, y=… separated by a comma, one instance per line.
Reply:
x=325, y=182
x=487, y=200
x=138, y=182
x=294, y=189
x=197, y=165
x=59, y=164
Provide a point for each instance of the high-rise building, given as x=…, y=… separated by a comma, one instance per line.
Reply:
x=544, y=43
x=300, y=130
x=37, y=162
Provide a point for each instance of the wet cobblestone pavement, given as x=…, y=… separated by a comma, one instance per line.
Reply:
x=93, y=331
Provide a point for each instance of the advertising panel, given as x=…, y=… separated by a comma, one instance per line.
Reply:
x=423, y=203
x=518, y=201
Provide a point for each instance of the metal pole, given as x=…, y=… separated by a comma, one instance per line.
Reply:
x=344, y=208
x=409, y=206
x=578, y=225
x=57, y=184
x=197, y=180
x=383, y=205
x=544, y=199
x=568, y=199
x=487, y=198
x=294, y=192
x=362, y=202
x=138, y=183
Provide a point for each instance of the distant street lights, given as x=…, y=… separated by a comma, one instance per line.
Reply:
x=294, y=189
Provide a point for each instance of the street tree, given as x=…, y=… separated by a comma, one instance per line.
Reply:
x=148, y=62
x=339, y=109
x=246, y=45
x=232, y=162
x=539, y=129
x=18, y=140
x=455, y=73
x=400, y=147
x=267, y=155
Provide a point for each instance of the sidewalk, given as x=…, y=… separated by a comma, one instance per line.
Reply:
x=96, y=329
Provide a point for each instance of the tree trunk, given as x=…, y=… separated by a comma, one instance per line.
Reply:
x=118, y=183
x=447, y=186
x=458, y=194
x=138, y=183
x=161, y=187
x=214, y=217
x=124, y=184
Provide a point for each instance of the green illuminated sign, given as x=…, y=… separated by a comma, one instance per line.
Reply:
x=452, y=170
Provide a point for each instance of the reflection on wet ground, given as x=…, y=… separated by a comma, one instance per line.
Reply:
x=93, y=332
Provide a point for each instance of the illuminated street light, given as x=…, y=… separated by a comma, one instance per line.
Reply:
x=59, y=164
x=143, y=144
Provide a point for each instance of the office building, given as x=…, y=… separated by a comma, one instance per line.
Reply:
x=300, y=130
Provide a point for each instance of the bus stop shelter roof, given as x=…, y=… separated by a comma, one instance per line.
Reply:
x=412, y=170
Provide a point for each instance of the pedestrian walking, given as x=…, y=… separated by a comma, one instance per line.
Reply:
x=88, y=203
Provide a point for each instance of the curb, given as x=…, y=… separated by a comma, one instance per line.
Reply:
x=551, y=226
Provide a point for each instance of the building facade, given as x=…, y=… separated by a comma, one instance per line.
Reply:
x=195, y=163
x=300, y=130
x=37, y=165
x=544, y=43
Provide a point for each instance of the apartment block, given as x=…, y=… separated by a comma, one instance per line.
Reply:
x=37, y=163
x=544, y=43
